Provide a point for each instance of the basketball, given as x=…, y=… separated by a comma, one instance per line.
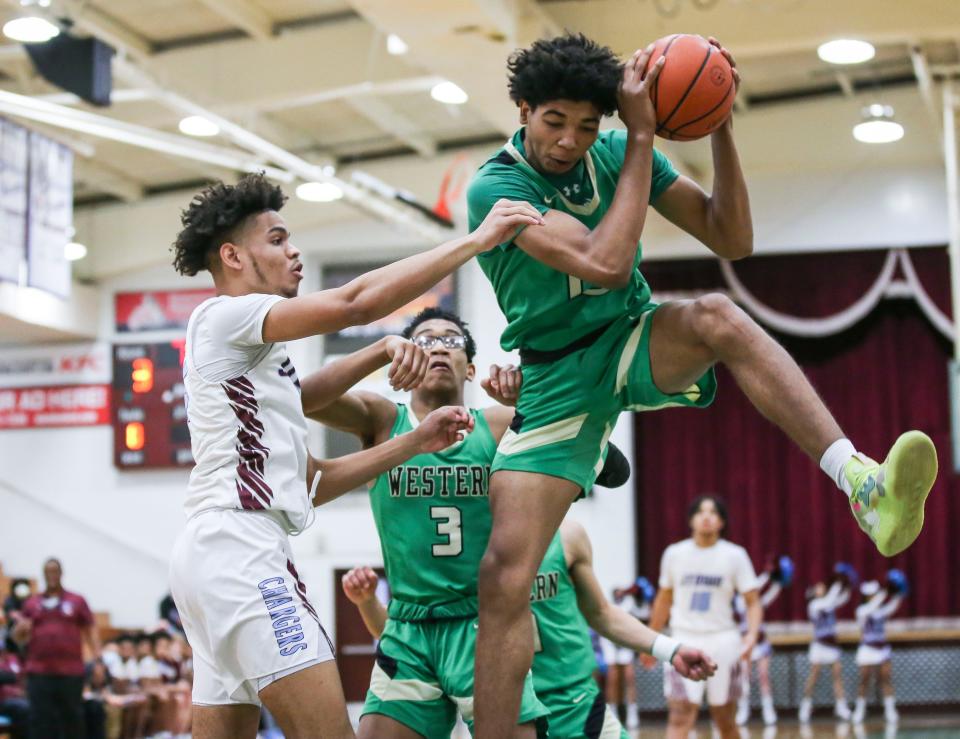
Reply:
x=695, y=90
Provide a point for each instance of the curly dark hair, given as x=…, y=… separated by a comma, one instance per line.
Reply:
x=428, y=314
x=214, y=216
x=569, y=67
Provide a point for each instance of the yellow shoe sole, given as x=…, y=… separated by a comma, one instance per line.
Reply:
x=909, y=472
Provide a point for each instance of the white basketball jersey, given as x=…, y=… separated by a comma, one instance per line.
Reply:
x=247, y=429
x=704, y=581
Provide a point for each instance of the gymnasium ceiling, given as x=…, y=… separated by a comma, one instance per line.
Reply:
x=313, y=77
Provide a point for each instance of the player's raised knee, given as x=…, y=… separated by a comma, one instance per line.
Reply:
x=717, y=319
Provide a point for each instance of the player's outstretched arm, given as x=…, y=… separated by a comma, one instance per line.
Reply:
x=334, y=477
x=370, y=416
x=408, y=365
x=604, y=617
x=360, y=587
x=616, y=624
x=380, y=292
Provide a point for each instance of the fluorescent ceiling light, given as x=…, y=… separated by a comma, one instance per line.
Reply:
x=30, y=30
x=878, y=126
x=319, y=192
x=878, y=131
x=396, y=45
x=74, y=251
x=197, y=125
x=447, y=92
x=846, y=51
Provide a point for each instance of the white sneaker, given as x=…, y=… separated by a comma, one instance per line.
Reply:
x=860, y=711
x=769, y=712
x=806, y=710
x=842, y=711
x=743, y=713
x=890, y=714
x=633, y=716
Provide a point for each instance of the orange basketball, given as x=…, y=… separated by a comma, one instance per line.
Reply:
x=695, y=90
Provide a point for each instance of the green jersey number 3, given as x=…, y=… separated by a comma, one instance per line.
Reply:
x=449, y=526
x=575, y=285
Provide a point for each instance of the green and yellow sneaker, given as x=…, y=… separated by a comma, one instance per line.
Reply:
x=888, y=498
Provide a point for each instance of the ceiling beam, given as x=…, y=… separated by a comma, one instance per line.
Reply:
x=345, y=92
x=244, y=14
x=109, y=180
x=379, y=208
x=394, y=123
x=93, y=124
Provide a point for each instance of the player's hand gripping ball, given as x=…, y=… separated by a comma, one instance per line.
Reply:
x=695, y=90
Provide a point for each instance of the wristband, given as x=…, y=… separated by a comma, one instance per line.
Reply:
x=664, y=648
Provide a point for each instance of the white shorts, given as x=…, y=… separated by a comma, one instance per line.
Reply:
x=823, y=654
x=613, y=654
x=868, y=655
x=722, y=647
x=244, y=609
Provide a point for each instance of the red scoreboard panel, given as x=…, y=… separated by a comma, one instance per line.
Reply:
x=149, y=415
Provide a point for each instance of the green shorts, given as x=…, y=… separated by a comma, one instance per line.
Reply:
x=580, y=712
x=567, y=408
x=424, y=674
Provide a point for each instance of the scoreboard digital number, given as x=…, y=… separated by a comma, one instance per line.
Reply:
x=149, y=415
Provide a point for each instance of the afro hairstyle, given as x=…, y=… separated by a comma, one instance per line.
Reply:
x=569, y=67
x=215, y=215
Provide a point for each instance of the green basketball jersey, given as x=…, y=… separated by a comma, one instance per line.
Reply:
x=563, y=654
x=547, y=309
x=433, y=518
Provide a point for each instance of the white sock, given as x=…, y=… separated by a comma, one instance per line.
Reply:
x=835, y=459
x=889, y=703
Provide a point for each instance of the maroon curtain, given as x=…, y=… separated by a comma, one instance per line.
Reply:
x=883, y=376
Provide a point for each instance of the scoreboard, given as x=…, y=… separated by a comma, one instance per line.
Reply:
x=149, y=414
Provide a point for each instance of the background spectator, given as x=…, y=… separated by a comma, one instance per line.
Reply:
x=55, y=623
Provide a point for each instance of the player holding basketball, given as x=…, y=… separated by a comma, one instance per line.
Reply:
x=822, y=610
x=699, y=578
x=433, y=518
x=254, y=634
x=592, y=343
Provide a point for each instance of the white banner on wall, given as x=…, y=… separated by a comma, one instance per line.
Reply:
x=50, y=215
x=56, y=364
x=13, y=199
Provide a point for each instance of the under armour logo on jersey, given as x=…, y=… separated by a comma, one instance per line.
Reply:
x=288, y=370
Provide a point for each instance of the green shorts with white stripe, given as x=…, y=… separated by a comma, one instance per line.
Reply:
x=579, y=711
x=423, y=677
x=568, y=407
